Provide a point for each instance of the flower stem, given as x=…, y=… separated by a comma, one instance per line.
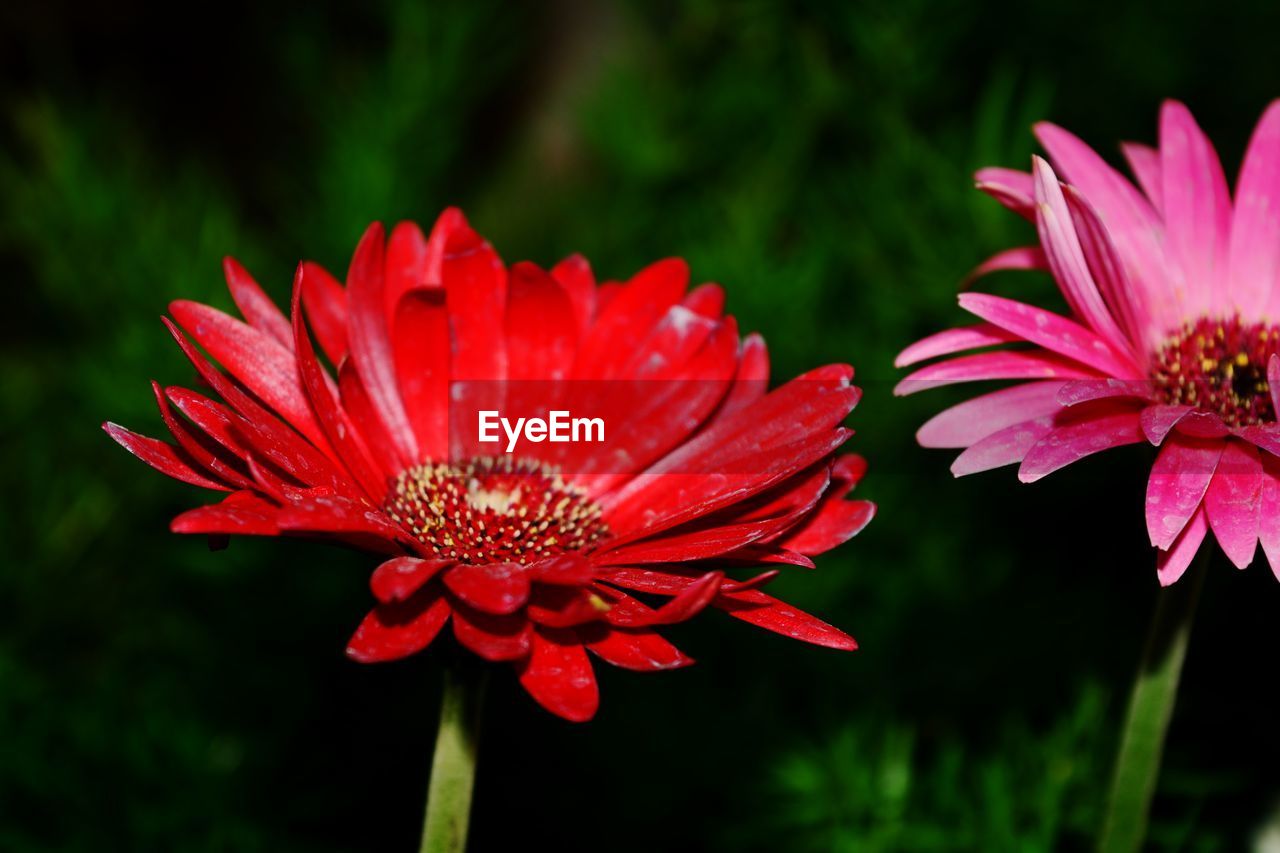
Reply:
x=1155, y=689
x=453, y=767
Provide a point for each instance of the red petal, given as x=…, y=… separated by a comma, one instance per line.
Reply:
x=642, y=651
x=422, y=356
x=564, y=607
x=207, y=453
x=264, y=366
x=255, y=415
x=409, y=266
x=706, y=299
x=326, y=305
x=688, y=603
x=574, y=275
x=492, y=587
x=492, y=637
x=255, y=306
x=752, y=379
x=342, y=433
x=541, y=328
x=400, y=577
x=769, y=613
x=165, y=458
x=335, y=514
x=563, y=570
x=392, y=631
x=370, y=339
x=630, y=315
x=558, y=676
x=834, y=523
x=241, y=513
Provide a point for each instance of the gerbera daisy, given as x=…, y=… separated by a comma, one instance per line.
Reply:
x=1173, y=287
x=1174, y=291
x=540, y=556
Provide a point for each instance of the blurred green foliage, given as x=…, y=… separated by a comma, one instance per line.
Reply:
x=814, y=158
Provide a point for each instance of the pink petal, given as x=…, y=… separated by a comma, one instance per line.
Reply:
x=1079, y=391
x=1056, y=227
x=1171, y=564
x=1017, y=258
x=1197, y=208
x=951, y=341
x=1273, y=381
x=1003, y=447
x=975, y=419
x=1129, y=219
x=1075, y=441
x=1049, y=330
x=1269, y=513
x=1255, y=225
x=1158, y=421
x=1145, y=163
x=1128, y=304
x=1233, y=501
x=1001, y=364
x=1179, y=479
x=1010, y=187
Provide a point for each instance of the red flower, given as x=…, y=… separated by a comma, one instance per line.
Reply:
x=541, y=556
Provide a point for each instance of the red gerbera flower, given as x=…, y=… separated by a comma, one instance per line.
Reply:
x=535, y=557
x=1173, y=287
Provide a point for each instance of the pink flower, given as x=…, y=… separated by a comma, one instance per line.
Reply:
x=1174, y=291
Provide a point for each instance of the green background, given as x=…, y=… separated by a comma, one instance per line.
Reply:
x=816, y=160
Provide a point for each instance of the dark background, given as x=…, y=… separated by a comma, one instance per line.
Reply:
x=814, y=158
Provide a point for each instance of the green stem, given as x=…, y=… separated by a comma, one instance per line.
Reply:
x=453, y=767
x=1155, y=689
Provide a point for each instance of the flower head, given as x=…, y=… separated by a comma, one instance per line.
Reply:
x=555, y=550
x=1173, y=286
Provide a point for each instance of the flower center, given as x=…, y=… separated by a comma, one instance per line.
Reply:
x=494, y=509
x=1219, y=366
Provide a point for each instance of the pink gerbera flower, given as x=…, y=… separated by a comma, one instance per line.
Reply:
x=1174, y=291
x=540, y=557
